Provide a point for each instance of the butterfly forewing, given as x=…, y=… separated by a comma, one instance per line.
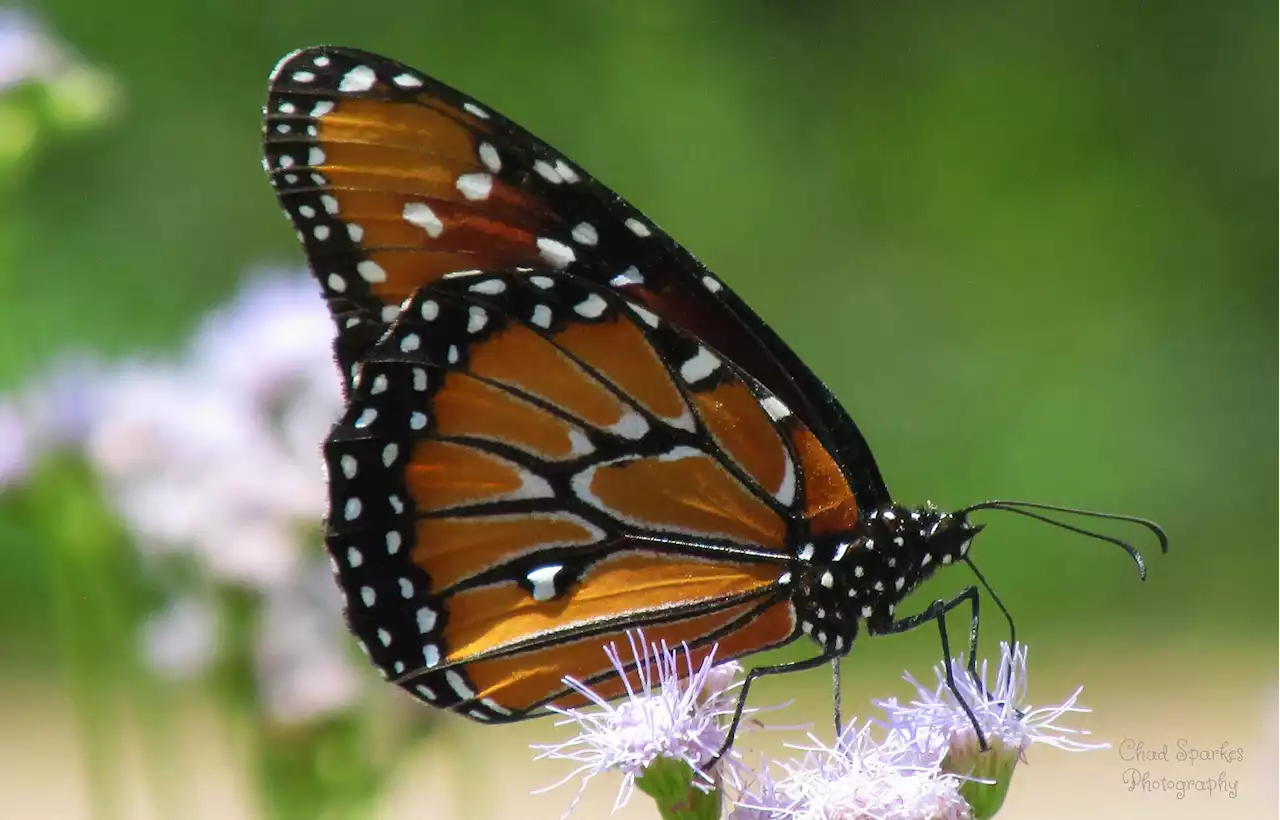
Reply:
x=531, y=464
x=393, y=180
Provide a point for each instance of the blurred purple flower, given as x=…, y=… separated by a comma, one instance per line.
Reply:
x=27, y=50
x=15, y=445
x=301, y=654
x=672, y=712
x=213, y=456
x=217, y=455
x=182, y=639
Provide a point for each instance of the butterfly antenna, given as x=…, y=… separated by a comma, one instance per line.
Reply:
x=1024, y=508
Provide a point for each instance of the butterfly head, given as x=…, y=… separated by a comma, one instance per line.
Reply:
x=864, y=574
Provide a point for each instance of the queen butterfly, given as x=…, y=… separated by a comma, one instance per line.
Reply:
x=559, y=424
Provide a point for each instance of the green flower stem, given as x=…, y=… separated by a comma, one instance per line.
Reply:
x=93, y=616
x=671, y=785
x=995, y=766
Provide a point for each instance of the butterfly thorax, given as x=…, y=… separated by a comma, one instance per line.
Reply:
x=864, y=574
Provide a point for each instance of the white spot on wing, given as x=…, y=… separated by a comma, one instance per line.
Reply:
x=591, y=307
x=557, y=254
x=647, y=316
x=360, y=78
x=631, y=426
x=775, y=408
x=458, y=685
x=489, y=156
x=630, y=276
x=543, y=580
x=579, y=444
x=533, y=486
x=407, y=80
x=371, y=271
x=638, y=228
x=584, y=233
x=495, y=706
x=547, y=172
x=563, y=169
x=700, y=366
x=475, y=110
x=475, y=186
x=786, y=493
x=421, y=215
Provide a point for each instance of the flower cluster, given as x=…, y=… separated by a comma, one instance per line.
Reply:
x=920, y=761
x=674, y=711
x=211, y=460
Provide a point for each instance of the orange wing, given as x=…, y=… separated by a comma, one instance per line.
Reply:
x=531, y=464
x=393, y=180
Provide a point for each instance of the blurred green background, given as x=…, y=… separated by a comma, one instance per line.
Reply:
x=1028, y=244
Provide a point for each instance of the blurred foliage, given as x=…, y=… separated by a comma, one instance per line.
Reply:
x=1029, y=244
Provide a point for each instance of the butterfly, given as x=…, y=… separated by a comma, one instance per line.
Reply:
x=560, y=425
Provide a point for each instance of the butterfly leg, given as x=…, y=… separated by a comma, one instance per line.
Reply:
x=937, y=612
x=835, y=694
x=758, y=672
x=1013, y=632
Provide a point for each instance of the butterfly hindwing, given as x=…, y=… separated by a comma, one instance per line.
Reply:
x=505, y=495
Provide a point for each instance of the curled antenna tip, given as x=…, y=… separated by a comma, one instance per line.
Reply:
x=1024, y=508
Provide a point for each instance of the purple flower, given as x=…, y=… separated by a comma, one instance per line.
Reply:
x=1001, y=710
x=857, y=778
x=1008, y=724
x=671, y=721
